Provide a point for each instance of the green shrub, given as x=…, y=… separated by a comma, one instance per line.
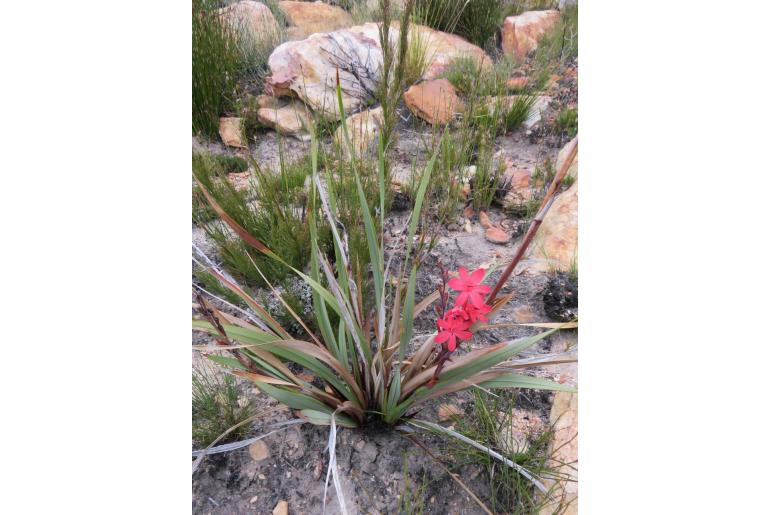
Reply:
x=475, y=20
x=216, y=407
x=226, y=60
x=215, y=62
x=567, y=122
x=278, y=217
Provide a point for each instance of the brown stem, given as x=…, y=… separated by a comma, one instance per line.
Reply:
x=545, y=205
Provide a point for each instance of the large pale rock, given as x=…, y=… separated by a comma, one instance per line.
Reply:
x=306, y=18
x=521, y=33
x=563, y=492
x=231, y=132
x=253, y=20
x=308, y=68
x=362, y=129
x=442, y=48
x=556, y=242
x=435, y=101
x=286, y=116
x=563, y=153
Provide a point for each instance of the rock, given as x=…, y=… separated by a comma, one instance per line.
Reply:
x=521, y=33
x=563, y=492
x=468, y=212
x=254, y=499
x=240, y=181
x=448, y=412
x=253, y=20
x=306, y=18
x=282, y=508
x=318, y=467
x=434, y=101
x=497, y=235
x=556, y=242
x=308, y=68
x=518, y=183
x=443, y=48
x=363, y=128
x=468, y=227
x=517, y=428
x=259, y=451
x=573, y=168
x=231, y=132
x=517, y=82
x=287, y=116
x=453, y=227
x=484, y=220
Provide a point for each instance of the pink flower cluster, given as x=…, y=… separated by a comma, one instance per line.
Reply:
x=469, y=308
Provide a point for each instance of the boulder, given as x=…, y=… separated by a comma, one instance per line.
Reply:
x=253, y=20
x=573, y=168
x=435, y=101
x=306, y=18
x=362, y=129
x=289, y=117
x=521, y=33
x=442, y=48
x=308, y=68
x=564, y=490
x=231, y=132
x=556, y=242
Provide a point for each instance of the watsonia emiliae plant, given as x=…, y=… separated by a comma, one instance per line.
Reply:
x=362, y=363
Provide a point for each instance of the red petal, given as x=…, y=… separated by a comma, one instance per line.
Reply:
x=462, y=299
x=478, y=275
x=463, y=335
x=452, y=345
x=442, y=337
x=456, y=284
x=463, y=274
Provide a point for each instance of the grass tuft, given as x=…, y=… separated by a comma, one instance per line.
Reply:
x=217, y=406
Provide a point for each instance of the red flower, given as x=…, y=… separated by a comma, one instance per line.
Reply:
x=470, y=287
x=452, y=327
x=475, y=314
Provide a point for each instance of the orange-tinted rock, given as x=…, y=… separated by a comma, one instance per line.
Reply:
x=521, y=33
x=435, y=101
x=231, y=132
x=519, y=184
x=306, y=18
x=286, y=116
x=556, y=241
x=497, y=235
x=517, y=82
x=484, y=220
